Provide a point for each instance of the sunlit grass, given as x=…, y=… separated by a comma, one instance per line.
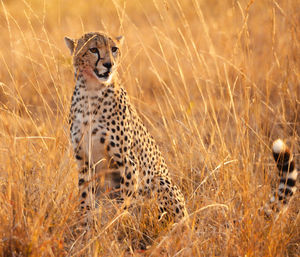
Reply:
x=215, y=82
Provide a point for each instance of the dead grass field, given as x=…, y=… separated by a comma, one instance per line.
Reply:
x=214, y=81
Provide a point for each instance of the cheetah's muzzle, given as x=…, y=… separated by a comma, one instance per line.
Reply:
x=103, y=75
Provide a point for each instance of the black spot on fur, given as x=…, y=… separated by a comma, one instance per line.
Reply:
x=78, y=157
x=289, y=182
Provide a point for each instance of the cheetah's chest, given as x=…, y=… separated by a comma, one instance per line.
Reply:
x=89, y=129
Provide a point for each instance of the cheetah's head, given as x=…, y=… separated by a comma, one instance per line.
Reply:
x=95, y=56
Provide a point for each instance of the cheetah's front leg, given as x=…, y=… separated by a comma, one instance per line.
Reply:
x=86, y=190
x=129, y=180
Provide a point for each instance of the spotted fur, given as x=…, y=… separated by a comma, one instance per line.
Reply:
x=113, y=148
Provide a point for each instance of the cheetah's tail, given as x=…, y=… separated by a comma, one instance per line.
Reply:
x=288, y=176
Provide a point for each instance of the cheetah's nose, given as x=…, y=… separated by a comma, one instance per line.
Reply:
x=107, y=65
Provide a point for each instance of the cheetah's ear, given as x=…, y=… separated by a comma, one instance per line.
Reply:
x=70, y=44
x=120, y=40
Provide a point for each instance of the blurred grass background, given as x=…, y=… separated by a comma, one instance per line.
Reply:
x=214, y=81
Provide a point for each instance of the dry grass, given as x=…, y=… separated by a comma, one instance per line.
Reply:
x=215, y=82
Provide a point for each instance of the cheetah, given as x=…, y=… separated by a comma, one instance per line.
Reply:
x=109, y=137
x=112, y=145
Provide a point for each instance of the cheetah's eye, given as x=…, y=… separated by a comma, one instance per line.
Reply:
x=94, y=50
x=114, y=49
